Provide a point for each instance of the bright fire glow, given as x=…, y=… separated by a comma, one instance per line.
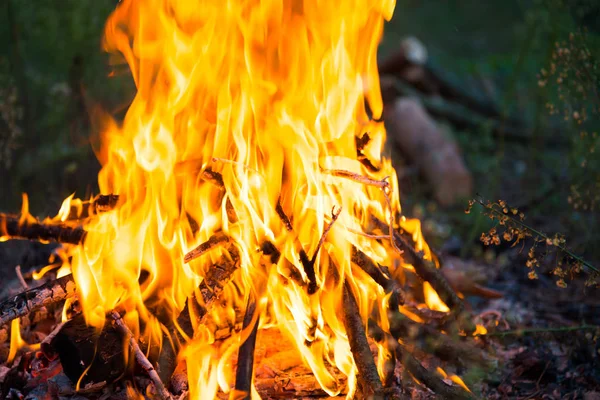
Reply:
x=16, y=342
x=432, y=299
x=272, y=95
x=454, y=378
x=480, y=330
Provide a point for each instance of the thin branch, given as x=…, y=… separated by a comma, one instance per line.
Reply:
x=426, y=270
x=361, y=352
x=118, y=322
x=389, y=285
x=20, y=277
x=385, y=187
x=211, y=243
x=516, y=221
x=369, y=235
x=365, y=180
x=309, y=268
x=334, y=217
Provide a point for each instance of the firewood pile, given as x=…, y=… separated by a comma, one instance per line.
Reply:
x=74, y=359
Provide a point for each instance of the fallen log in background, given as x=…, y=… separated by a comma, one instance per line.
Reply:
x=433, y=151
x=464, y=118
x=411, y=64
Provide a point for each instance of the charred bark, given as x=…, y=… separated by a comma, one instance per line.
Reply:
x=88, y=356
x=11, y=226
x=361, y=352
x=34, y=299
x=244, y=369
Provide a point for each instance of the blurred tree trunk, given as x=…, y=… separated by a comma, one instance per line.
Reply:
x=17, y=67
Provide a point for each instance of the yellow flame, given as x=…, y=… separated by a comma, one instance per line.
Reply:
x=16, y=342
x=432, y=299
x=457, y=379
x=270, y=94
x=37, y=275
x=411, y=315
x=442, y=372
x=65, y=208
x=454, y=378
x=480, y=330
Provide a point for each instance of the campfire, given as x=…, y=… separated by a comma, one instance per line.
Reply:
x=246, y=212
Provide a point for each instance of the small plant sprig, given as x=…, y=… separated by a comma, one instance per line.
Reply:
x=512, y=228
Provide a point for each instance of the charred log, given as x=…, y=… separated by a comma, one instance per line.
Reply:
x=88, y=356
x=34, y=299
x=244, y=369
x=12, y=227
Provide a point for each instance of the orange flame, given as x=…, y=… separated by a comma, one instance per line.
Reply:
x=432, y=299
x=454, y=378
x=272, y=95
x=16, y=341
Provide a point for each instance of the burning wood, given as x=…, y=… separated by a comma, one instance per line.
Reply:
x=224, y=181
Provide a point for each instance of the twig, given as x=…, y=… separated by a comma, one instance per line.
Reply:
x=426, y=271
x=413, y=366
x=309, y=268
x=369, y=235
x=118, y=322
x=211, y=243
x=20, y=278
x=392, y=222
x=87, y=208
x=458, y=350
x=361, y=352
x=243, y=375
x=11, y=227
x=105, y=202
x=526, y=331
x=34, y=299
x=385, y=187
x=365, y=180
x=461, y=116
x=334, y=217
